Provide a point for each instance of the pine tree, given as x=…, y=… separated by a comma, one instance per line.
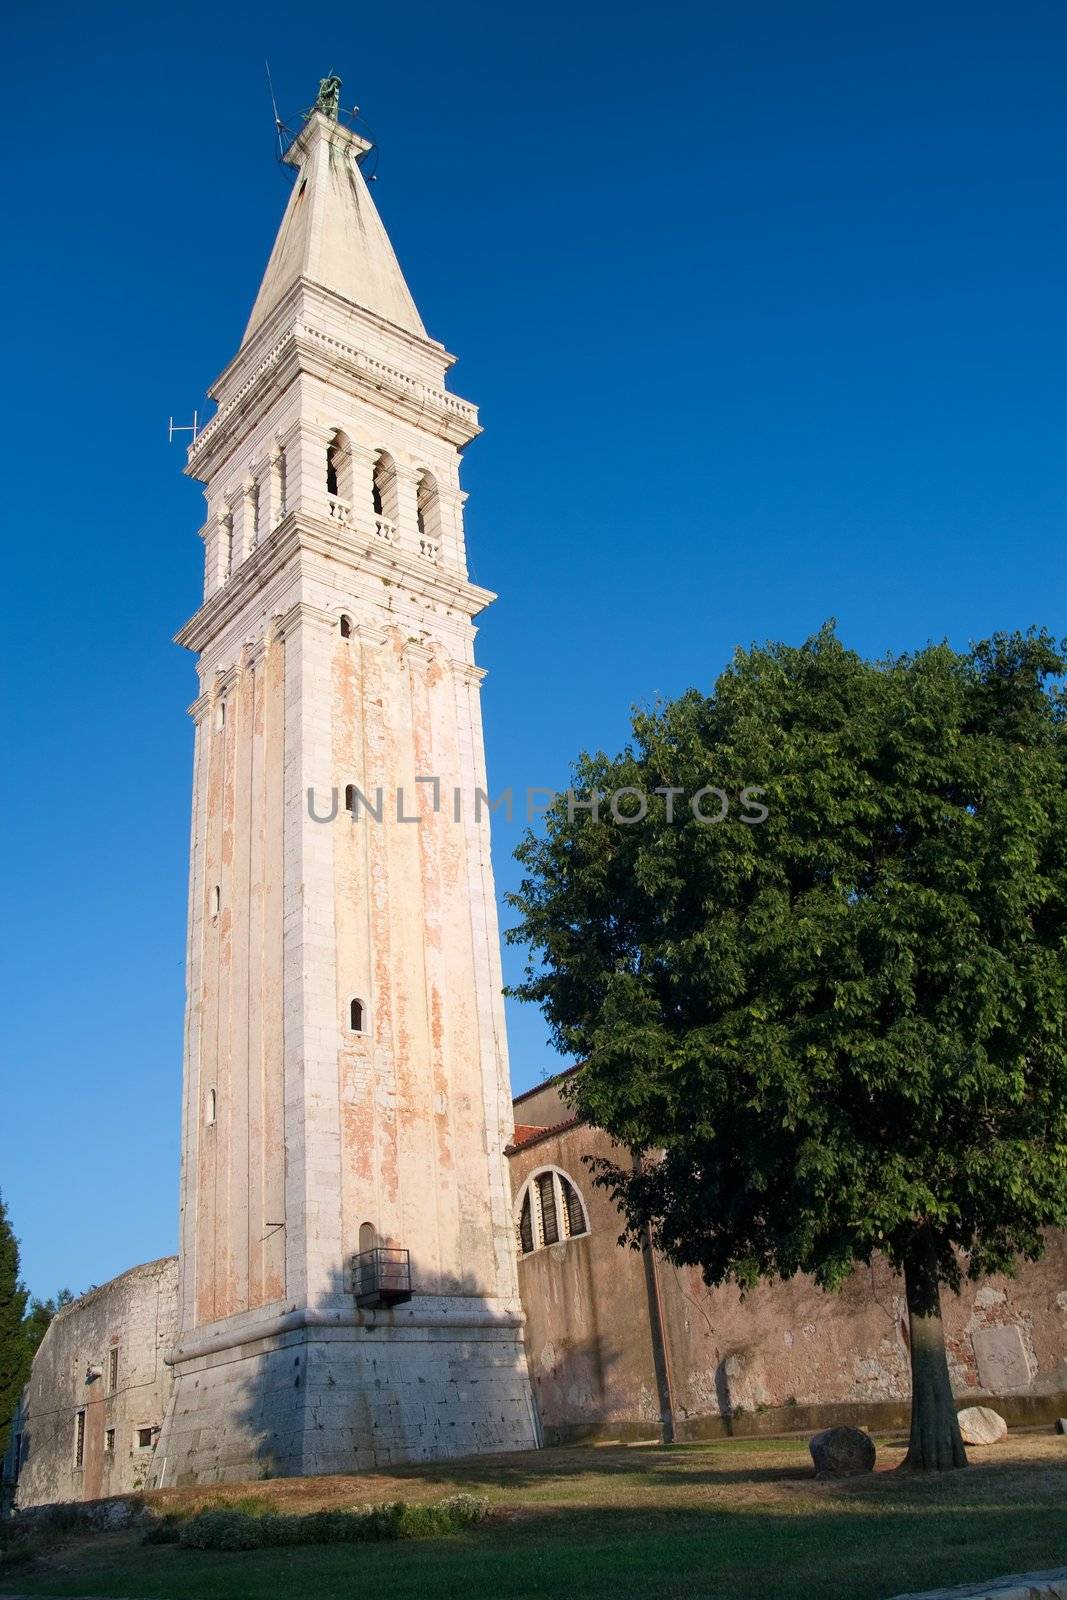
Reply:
x=14, y=1360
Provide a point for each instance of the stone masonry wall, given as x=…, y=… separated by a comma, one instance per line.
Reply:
x=101, y=1360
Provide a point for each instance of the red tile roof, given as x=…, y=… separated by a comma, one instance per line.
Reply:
x=527, y=1135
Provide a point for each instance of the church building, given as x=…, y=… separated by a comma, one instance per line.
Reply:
x=381, y=1259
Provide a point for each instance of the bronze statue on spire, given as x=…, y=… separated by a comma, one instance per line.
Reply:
x=329, y=97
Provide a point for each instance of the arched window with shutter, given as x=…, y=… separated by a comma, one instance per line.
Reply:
x=550, y=1210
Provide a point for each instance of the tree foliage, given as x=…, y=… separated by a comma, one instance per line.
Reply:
x=842, y=1030
x=23, y=1324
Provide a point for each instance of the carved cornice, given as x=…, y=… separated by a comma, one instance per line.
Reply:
x=204, y=454
x=454, y=418
x=467, y=672
x=300, y=534
x=246, y=581
x=299, y=613
x=303, y=348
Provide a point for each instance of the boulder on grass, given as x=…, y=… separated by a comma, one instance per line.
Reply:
x=841, y=1452
x=980, y=1425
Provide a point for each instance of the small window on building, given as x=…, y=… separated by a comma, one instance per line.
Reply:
x=109, y=1441
x=113, y=1369
x=346, y=627
x=220, y=714
x=79, y=1440
x=211, y=1107
x=350, y=797
x=144, y=1438
x=355, y=1016
x=216, y=900
x=368, y=1237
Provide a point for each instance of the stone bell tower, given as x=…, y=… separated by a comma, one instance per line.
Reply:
x=348, y=1284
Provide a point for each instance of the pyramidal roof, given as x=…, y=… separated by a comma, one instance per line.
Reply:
x=331, y=234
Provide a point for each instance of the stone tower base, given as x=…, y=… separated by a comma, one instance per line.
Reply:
x=307, y=1392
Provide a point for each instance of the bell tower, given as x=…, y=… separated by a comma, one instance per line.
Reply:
x=348, y=1290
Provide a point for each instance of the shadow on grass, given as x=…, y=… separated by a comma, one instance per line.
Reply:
x=843, y=1550
x=605, y=1465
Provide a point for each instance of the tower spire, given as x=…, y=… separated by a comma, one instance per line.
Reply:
x=331, y=236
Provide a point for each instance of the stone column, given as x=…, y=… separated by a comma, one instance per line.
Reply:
x=407, y=507
x=362, y=476
x=305, y=468
x=314, y=1264
x=453, y=545
x=244, y=522
x=218, y=550
x=272, y=491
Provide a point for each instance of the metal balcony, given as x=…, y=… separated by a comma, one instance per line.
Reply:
x=382, y=1276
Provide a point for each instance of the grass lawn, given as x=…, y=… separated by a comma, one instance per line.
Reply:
x=733, y=1520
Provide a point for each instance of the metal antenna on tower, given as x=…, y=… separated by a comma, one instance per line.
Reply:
x=279, y=126
x=173, y=428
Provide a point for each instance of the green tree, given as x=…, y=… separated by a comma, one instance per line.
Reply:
x=37, y=1319
x=13, y=1362
x=842, y=1030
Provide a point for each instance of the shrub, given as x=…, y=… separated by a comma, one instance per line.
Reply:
x=220, y=1530
x=230, y=1528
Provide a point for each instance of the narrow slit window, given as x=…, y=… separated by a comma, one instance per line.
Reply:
x=346, y=627
x=211, y=1110
x=526, y=1237
x=350, y=797
x=113, y=1369
x=79, y=1439
x=355, y=1016
x=109, y=1441
x=216, y=900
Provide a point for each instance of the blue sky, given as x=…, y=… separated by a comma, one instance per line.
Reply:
x=763, y=308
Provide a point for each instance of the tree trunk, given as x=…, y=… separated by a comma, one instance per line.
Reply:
x=935, y=1444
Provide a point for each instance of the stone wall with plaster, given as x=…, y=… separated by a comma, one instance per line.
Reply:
x=90, y=1415
x=785, y=1356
